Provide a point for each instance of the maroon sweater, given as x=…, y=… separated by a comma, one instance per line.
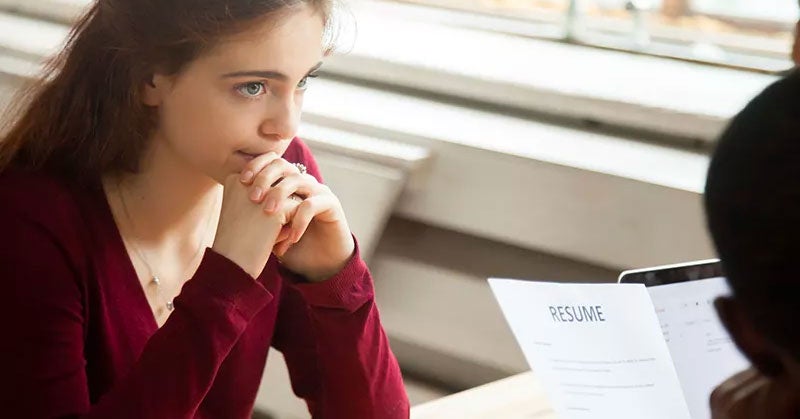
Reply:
x=80, y=340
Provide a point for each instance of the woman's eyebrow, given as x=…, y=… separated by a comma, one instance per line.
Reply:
x=266, y=74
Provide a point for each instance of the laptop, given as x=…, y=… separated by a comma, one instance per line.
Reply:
x=702, y=351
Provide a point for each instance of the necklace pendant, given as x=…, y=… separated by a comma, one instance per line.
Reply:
x=170, y=306
x=156, y=280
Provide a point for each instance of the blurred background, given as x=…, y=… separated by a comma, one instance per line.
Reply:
x=535, y=139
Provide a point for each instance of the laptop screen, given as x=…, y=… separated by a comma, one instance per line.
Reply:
x=702, y=351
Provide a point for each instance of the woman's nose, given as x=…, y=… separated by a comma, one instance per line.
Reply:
x=284, y=122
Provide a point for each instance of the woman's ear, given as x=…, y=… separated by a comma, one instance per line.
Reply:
x=155, y=89
x=761, y=352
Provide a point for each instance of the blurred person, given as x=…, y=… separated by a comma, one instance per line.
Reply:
x=752, y=202
x=162, y=227
x=796, y=45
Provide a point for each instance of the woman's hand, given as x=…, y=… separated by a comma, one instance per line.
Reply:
x=318, y=242
x=246, y=234
x=750, y=395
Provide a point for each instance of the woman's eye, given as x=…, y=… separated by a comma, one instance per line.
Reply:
x=252, y=89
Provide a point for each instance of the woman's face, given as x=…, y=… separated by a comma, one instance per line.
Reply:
x=241, y=99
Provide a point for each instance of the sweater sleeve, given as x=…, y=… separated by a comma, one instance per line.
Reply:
x=44, y=322
x=336, y=350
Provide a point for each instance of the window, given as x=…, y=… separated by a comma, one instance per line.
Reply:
x=750, y=34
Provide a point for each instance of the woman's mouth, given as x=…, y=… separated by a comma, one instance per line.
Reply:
x=246, y=156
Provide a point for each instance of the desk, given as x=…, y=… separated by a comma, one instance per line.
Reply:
x=517, y=397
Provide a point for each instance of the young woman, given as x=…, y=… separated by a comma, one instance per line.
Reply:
x=160, y=232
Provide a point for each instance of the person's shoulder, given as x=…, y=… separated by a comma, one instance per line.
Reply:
x=44, y=228
x=23, y=188
x=36, y=195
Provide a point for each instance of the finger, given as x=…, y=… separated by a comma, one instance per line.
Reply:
x=306, y=212
x=283, y=243
x=287, y=209
x=254, y=166
x=723, y=396
x=744, y=396
x=284, y=234
x=281, y=248
x=736, y=380
x=301, y=185
x=270, y=176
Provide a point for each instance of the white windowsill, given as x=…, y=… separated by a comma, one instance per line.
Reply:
x=30, y=38
x=55, y=10
x=660, y=95
x=335, y=103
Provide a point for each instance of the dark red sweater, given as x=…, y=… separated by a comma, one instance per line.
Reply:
x=79, y=338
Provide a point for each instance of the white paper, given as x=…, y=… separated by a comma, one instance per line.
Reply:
x=702, y=351
x=613, y=364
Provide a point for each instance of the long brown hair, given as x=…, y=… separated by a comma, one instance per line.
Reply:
x=84, y=116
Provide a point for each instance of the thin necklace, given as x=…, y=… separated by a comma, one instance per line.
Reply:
x=154, y=279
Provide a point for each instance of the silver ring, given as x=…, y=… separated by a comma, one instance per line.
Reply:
x=296, y=197
x=301, y=167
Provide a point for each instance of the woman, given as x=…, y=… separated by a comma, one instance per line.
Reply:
x=156, y=149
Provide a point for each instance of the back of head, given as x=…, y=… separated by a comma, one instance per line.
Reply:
x=85, y=117
x=753, y=207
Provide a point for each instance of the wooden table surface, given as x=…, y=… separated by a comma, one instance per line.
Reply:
x=517, y=397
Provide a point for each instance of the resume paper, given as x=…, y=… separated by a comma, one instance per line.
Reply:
x=597, y=349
